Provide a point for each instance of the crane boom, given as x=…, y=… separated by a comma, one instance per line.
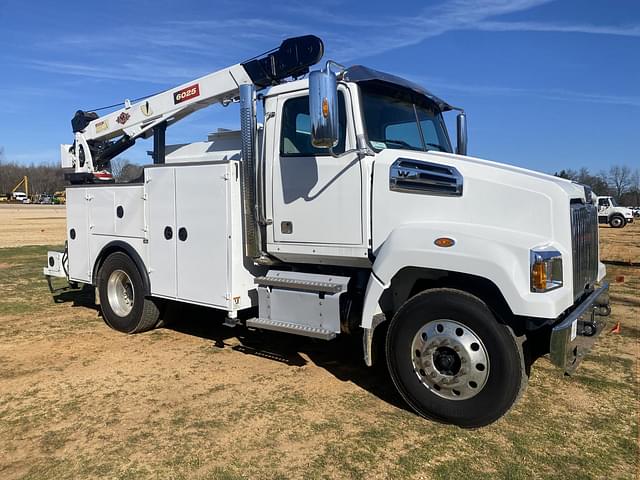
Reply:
x=94, y=144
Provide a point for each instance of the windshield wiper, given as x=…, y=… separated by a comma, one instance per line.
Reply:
x=402, y=143
x=439, y=147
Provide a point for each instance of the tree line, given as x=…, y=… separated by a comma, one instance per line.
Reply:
x=49, y=177
x=43, y=177
x=620, y=181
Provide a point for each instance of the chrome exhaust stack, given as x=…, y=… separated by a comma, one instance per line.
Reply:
x=250, y=180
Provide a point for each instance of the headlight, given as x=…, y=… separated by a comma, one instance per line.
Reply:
x=546, y=270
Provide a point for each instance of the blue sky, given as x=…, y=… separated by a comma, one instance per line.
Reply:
x=547, y=84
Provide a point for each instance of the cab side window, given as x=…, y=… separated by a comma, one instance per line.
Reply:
x=295, y=138
x=603, y=202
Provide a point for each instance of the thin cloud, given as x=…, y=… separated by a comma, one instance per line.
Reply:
x=216, y=43
x=621, y=30
x=439, y=86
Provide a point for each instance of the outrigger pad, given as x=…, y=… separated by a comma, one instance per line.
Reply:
x=292, y=59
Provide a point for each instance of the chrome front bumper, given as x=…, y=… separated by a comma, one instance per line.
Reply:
x=574, y=336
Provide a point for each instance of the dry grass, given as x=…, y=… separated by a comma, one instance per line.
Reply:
x=620, y=244
x=200, y=400
x=31, y=225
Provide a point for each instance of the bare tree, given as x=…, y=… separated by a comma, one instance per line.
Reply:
x=43, y=178
x=635, y=188
x=619, y=179
x=567, y=173
x=124, y=171
x=597, y=182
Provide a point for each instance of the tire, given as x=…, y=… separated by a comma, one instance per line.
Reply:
x=617, y=221
x=474, y=356
x=124, y=306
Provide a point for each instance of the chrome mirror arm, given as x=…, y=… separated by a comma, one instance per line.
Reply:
x=363, y=149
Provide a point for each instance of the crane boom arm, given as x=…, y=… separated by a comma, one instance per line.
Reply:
x=171, y=105
x=93, y=147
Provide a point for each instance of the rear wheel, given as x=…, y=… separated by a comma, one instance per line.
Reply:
x=452, y=361
x=617, y=221
x=124, y=306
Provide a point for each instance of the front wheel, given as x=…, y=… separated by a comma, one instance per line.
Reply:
x=124, y=306
x=617, y=222
x=452, y=361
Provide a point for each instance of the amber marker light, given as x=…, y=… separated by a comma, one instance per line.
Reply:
x=444, y=242
x=325, y=107
x=539, y=275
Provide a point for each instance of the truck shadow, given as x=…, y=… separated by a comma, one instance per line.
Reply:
x=79, y=297
x=341, y=357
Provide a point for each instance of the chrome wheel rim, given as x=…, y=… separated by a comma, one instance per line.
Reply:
x=450, y=360
x=120, y=293
x=616, y=222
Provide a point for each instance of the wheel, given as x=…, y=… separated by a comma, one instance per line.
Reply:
x=617, y=221
x=452, y=361
x=124, y=306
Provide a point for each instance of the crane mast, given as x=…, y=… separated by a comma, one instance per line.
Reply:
x=99, y=139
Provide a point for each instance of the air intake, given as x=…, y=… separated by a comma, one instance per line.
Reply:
x=417, y=176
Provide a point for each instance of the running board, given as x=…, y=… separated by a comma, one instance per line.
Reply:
x=297, y=329
x=300, y=303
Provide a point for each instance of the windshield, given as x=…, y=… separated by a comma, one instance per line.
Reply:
x=399, y=123
x=613, y=202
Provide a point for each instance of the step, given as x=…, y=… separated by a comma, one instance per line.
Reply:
x=296, y=329
x=299, y=284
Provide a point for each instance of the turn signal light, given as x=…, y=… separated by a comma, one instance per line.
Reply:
x=325, y=107
x=546, y=269
x=539, y=275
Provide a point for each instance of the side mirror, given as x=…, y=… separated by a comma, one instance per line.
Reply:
x=461, y=122
x=323, y=108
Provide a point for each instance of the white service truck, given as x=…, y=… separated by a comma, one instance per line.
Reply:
x=610, y=212
x=345, y=210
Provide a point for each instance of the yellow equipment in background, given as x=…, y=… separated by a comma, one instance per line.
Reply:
x=60, y=198
x=18, y=195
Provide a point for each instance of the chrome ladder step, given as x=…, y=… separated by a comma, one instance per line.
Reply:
x=305, y=330
x=298, y=284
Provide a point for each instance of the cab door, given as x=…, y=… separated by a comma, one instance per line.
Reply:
x=317, y=198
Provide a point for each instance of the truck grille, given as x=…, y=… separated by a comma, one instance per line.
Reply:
x=584, y=242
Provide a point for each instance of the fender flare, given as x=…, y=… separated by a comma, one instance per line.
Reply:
x=496, y=255
x=120, y=246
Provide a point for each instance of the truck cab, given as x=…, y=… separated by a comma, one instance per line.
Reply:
x=20, y=197
x=609, y=212
x=345, y=210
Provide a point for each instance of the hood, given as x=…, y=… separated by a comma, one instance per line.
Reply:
x=479, y=193
x=573, y=189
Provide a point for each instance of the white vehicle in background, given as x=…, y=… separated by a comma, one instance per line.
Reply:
x=20, y=197
x=345, y=210
x=610, y=212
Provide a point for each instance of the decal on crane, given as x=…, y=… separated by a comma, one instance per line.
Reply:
x=145, y=108
x=123, y=118
x=103, y=125
x=186, y=93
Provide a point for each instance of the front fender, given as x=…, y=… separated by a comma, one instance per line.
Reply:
x=498, y=255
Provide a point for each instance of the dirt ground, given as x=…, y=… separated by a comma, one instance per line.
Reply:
x=199, y=400
x=620, y=244
x=31, y=225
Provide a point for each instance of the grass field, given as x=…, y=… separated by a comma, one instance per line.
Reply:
x=199, y=400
